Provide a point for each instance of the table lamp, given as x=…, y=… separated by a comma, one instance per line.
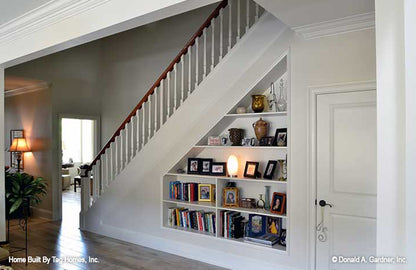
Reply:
x=19, y=146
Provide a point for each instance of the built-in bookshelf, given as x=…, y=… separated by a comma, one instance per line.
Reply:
x=248, y=187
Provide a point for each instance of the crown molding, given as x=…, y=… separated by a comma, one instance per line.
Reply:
x=27, y=89
x=338, y=26
x=47, y=14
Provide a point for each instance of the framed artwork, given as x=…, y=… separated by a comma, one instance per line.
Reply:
x=274, y=225
x=282, y=240
x=230, y=197
x=206, y=165
x=219, y=168
x=256, y=225
x=251, y=168
x=280, y=137
x=270, y=168
x=16, y=133
x=194, y=165
x=205, y=193
x=278, y=203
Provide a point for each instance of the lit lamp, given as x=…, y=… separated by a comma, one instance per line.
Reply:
x=19, y=146
x=232, y=166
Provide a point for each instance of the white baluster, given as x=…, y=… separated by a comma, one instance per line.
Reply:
x=112, y=162
x=229, y=25
x=248, y=15
x=168, y=97
x=122, y=148
x=182, y=79
x=257, y=12
x=149, y=122
x=94, y=179
x=138, y=131
x=127, y=143
x=238, y=20
x=161, y=102
x=189, y=70
x=132, y=139
x=143, y=123
x=196, y=61
x=175, y=95
x=104, y=171
x=221, y=32
x=156, y=106
x=116, y=154
x=212, y=43
x=205, y=53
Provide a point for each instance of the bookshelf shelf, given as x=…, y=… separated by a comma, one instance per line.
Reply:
x=263, y=114
x=240, y=241
x=225, y=178
x=252, y=211
x=210, y=205
x=177, y=228
x=225, y=147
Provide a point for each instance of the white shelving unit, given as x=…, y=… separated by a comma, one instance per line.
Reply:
x=248, y=187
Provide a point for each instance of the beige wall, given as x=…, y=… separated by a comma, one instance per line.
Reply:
x=32, y=112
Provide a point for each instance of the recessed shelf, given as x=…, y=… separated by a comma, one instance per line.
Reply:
x=227, y=178
x=276, y=247
x=241, y=147
x=210, y=205
x=252, y=211
x=189, y=230
x=256, y=114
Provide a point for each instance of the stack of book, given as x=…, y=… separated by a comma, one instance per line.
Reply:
x=232, y=224
x=267, y=239
x=183, y=191
x=192, y=219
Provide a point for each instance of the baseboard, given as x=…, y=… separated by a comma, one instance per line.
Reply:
x=41, y=213
x=193, y=252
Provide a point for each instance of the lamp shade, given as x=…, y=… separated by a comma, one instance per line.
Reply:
x=232, y=166
x=19, y=145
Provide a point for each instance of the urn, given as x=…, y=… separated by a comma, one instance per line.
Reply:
x=261, y=128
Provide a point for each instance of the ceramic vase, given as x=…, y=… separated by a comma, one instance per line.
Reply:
x=257, y=103
x=236, y=136
x=261, y=129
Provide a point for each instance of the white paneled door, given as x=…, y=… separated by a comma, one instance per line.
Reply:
x=346, y=180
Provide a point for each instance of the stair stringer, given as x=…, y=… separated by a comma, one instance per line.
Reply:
x=130, y=209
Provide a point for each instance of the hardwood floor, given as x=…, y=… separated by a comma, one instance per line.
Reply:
x=63, y=239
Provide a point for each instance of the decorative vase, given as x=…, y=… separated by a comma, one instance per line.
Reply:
x=281, y=103
x=241, y=110
x=257, y=103
x=283, y=170
x=261, y=128
x=272, y=100
x=260, y=202
x=236, y=136
x=267, y=197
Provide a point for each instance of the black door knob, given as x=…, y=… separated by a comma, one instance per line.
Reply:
x=323, y=203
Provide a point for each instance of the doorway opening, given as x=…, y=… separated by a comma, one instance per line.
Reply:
x=78, y=140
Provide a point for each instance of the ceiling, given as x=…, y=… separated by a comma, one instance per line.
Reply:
x=14, y=83
x=12, y=9
x=296, y=13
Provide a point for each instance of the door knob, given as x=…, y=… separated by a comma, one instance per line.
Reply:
x=323, y=203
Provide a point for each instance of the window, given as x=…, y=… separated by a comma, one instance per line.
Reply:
x=77, y=140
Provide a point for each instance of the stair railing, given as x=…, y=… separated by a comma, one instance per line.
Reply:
x=224, y=27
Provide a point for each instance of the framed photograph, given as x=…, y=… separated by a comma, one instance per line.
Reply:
x=206, y=193
x=194, y=165
x=274, y=225
x=206, y=165
x=270, y=168
x=282, y=240
x=278, y=203
x=219, y=168
x=251, y=169
x=230, y=197
x=256, y=225
x=16, y=133
x=214, y=141
x=280, y=137
x=266, y=141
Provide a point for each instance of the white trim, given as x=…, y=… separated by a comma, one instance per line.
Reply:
x=313, y=93
x=338, y=26
x=49, y=13
x=27, y=89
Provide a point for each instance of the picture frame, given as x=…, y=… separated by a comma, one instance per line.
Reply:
x=266, y=141
x=206, y=192
x=230, y=196
x=194, y=165
x=282, y=239
x=278, y=203
x=270, y=169
x=206, y=166
x=280, y=137
x=219, y=168
x=251, y=169
x=256, y=225
x=274, y=225
x=16, y=133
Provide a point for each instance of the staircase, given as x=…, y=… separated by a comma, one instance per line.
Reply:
x=201, y=55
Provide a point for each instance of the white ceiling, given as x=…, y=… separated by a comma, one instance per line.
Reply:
x=12, y=9
x=303, y=12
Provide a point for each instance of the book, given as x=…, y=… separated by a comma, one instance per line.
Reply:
x=267, y=239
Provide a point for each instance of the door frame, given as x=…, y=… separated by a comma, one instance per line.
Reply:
x=97, y=129
x=313, y=93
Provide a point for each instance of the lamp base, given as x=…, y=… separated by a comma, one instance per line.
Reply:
x=233, y=176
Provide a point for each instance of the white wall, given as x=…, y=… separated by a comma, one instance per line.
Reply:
x=2, y=146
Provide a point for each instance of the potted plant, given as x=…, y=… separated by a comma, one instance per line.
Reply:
x=23, y=191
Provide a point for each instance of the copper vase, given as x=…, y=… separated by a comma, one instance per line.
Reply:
x=236, y=136
x=261, y=129
x=257, y=103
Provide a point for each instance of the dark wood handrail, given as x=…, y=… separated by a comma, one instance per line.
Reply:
x=184, y=51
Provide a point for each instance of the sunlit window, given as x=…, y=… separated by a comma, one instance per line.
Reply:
x=77, y=140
